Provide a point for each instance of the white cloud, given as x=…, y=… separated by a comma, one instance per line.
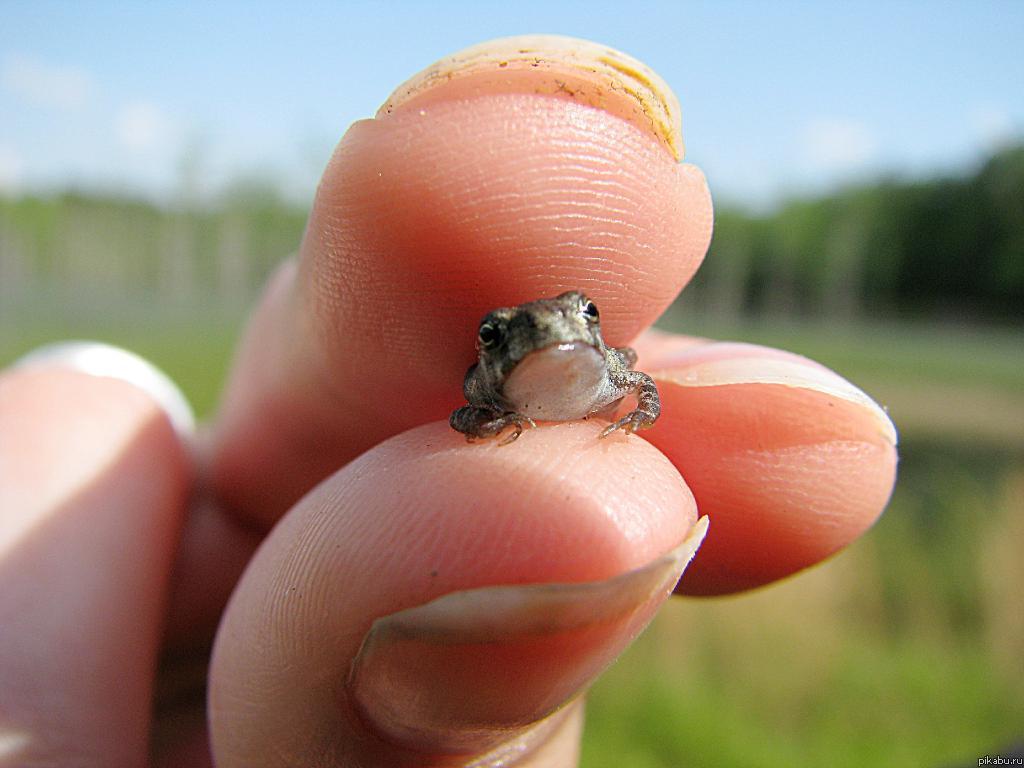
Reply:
x=10, y=169
x=47, y=85
x=142, y=125
x=837, y=145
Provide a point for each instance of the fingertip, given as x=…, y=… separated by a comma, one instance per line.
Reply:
x=421, y=516
x=790, y=461
x=539, y=196
x=520, y=653
x=61, y=427
x=553, y=65
x=105, y=360
x=93, y=482
x=487, y=188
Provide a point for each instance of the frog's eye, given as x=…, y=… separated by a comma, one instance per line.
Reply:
x=489, y=336
x=590, y=310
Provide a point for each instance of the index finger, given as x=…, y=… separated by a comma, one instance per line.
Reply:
x=509, y=172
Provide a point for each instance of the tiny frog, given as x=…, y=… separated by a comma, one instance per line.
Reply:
x=546, y=360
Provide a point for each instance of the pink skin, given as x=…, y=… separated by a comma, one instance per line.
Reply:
x=788, y=476
x=423, y=222
x=380, y=317
x=93, y=486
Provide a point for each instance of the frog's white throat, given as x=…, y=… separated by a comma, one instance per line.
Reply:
x=559, y=383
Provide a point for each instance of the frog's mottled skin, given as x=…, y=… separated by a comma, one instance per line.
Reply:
x=546, y=359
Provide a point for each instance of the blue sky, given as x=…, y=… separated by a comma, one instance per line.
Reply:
x=777, y=98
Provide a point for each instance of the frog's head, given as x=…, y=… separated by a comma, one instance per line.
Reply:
x=509, y=334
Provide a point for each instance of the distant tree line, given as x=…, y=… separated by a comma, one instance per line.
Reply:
x=943, y=248
x=84, y=254
x=940, y=248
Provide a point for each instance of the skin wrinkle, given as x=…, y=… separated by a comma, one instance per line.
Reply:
x=609, y=255
x=581, y=164
x=583, y=150
x=585, y=138
x=601, y=182
x=562, y=194
x=598, y=210
x=296, y=602
x=542, y=174
x=620, y=183
x=580, y=221
x=526, y=210
x=583, y=225
x=585, y=229
x=605, y=233
x=610, y=198
x=600, y=265
x=559, y=250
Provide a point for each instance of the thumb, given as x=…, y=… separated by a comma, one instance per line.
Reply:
x=436, y=599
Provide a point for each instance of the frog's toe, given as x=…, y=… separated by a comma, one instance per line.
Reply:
x=514, y=436
x=517, y=420
x=497, y=426
x=613, y=426
x=631, y=422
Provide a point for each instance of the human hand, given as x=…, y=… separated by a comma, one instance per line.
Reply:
x=522, y=175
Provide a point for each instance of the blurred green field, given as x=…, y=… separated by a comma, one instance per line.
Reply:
x=906, y=649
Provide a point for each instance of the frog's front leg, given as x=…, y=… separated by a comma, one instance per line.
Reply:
x=627, y=355
x=648, y=404
x=483, y=421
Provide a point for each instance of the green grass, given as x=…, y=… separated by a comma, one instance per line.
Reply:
x=876, y=704
x=913, y=353
x=195, y=355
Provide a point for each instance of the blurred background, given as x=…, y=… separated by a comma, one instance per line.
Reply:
x=867, y=165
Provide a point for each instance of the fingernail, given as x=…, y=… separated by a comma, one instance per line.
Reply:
x=553, y=65
x=468, y=669
x=760, y=369
x=98, y=359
